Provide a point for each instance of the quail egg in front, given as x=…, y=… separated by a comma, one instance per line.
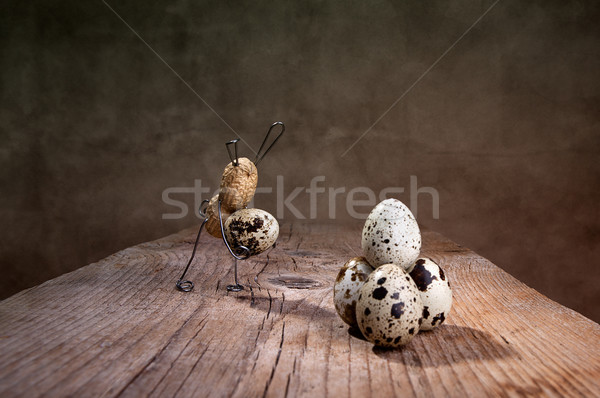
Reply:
x=347, y=284
x=435, y=292
x=389, y=307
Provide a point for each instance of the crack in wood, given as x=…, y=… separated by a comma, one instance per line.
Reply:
x=295, y=263
x=257, y=283
x=276, y=361
x=270, y=303
x=295, y=282
x=290, y=232
x=287, y=386
x=255, y=361
x=261, y=271
x=252, y=298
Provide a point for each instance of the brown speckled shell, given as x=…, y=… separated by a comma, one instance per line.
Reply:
x=347, y=285
x=238, y=185
x=213, y=226
x=253, y=228
x=435, y=290
x=391, y=235
x=389, y=307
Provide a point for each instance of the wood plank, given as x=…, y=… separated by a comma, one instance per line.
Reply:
x=120, y=328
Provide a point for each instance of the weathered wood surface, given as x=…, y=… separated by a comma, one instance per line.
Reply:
x=119, y=327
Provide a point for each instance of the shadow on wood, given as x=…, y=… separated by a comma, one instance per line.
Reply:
x=448, y=344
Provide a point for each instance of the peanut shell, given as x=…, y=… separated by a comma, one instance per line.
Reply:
x=238, y=184
x=213, y=226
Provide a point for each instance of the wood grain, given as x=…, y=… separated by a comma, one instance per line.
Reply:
x=120, y=328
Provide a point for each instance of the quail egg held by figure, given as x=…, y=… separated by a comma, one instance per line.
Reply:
x=255, y=229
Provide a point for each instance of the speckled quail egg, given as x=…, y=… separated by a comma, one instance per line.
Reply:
x=435, y=291
x=347, y=284
x=391, y=235
x=253, y=228
x=389, y=307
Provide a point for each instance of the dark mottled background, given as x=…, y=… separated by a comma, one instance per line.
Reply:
x=506, y=126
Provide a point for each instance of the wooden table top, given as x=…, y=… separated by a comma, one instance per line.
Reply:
x=119, y=327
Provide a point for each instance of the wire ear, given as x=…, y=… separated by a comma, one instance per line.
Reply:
x=260, y=156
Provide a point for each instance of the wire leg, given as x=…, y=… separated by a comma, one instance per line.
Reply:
x=237, y=287
x=183, y=285
x=239, y=253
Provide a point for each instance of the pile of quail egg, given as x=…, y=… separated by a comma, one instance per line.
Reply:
x=391, y=294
